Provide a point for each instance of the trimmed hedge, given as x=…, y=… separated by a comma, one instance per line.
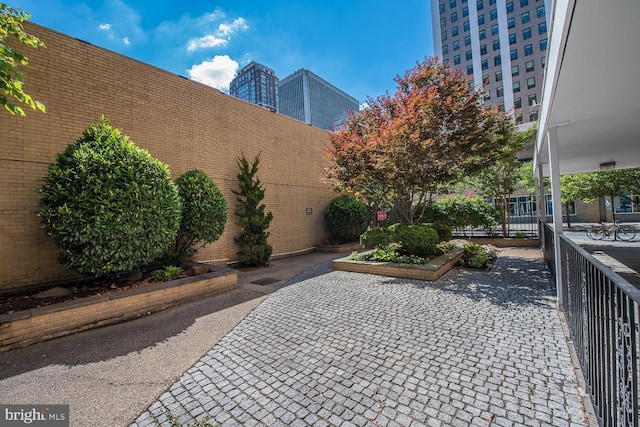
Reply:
x=347, y=218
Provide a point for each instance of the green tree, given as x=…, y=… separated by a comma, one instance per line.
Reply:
x=501, y=178
x=11, y=78
x=347, y=218
x=108, y=204
x=204, y=215
x=254, y=249
x=403, y=149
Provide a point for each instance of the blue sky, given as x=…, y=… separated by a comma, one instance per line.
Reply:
x=359, y=46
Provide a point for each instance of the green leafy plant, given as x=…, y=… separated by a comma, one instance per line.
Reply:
x=520, y=235
x=374, y=238
x=347, y=218
x=443, y=230
x=11, y=79
x=418, y=239
x=477, y=256
x=467, y=211
x=108, y=204
x=254, y=249
x=167, y=273
x=204, y=215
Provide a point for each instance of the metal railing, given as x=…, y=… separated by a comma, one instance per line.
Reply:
x=602, y=311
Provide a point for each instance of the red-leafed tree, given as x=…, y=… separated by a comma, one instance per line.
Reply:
x=404, y=149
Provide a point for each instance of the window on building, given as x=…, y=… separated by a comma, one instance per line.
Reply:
x=442, y=8
x=516, y=87
x=456, y=45
x=529, y=66
x=482, y=34
x=443, y=22
x=528, y=50
x=456, y=60
x=519, y=118
x=481, y=19
x=540, y=11
x=511, y=22
x=454, y=16
x=543, y=61
x=501, y=107
x=483, y=49
x=543, y=45
x=467, y=41
x=496, y=45
x=497, y=60
x=485, y=64
x=487, y=95
x=532, y=99
x=480, y=4
x=492, y=2
x=510, y=7
x=525, y=17
x=517, y=102
x=515, y=70
x=454, y=31
x=469, y=55
x=533, y=116
x=465, y=12
x=542, y=28
x=526, y=33
x=469, y=70
x=445, y=49
x=493, y=14
x=514, y=54
x=500, y=91
x=512, y=38
x=494, y=29
x=524, y=3
x=444, y=35
x=465, y=26
x=446, y=62
x=485, y=79
x=531, y=82
x=452, y=3
x=498, y=76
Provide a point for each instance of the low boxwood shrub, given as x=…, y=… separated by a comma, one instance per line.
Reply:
x=108, y=204
x=443, y=230
x=375, y=238
x=477, y=256
x=204, y=215
x=347, y=218
x=418, y=239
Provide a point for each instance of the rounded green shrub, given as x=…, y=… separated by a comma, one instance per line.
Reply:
x=477, y=256
x=204, y=215
x=374, y=238
x=443, y=230
x=418, y=239
x=347, y=218
x=108, y=204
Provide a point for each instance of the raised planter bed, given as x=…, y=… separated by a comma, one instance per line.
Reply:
x=27, y=327
x=506, y=242
x=431, y=271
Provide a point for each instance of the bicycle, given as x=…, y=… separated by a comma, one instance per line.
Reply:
x=616, y=229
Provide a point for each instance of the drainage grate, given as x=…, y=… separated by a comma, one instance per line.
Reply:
x=265, y=281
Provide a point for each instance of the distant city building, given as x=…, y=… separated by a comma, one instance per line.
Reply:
x=257, y=84
x=502, y=45
x=311, y=99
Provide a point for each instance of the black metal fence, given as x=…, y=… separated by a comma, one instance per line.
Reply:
x=602, y=311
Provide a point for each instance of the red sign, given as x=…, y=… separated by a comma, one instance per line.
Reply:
x=382, y=215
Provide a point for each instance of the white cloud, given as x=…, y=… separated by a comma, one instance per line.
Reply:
x=126, y=41
x=239, y=24
x=217, y=73
x=220, y=36
x=204, y=42
x=105, y=27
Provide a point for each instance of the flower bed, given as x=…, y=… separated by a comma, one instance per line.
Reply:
x=27, y=327
x=431, y=271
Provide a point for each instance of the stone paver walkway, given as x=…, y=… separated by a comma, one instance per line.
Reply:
x=348, y=349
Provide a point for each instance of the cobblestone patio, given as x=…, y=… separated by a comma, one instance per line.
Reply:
x=348, y=349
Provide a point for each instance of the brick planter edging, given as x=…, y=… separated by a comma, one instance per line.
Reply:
x=431, y=271
x=27, y=327
x=505, y=242
x=346, y=247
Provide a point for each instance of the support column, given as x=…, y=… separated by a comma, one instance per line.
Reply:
x=540, y=203
x=554, y=164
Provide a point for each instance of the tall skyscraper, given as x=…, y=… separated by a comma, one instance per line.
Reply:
x=311, y=99
x=500, y=44
x=257, y=84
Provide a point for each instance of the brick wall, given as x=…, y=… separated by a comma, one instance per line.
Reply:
x=183, y=123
